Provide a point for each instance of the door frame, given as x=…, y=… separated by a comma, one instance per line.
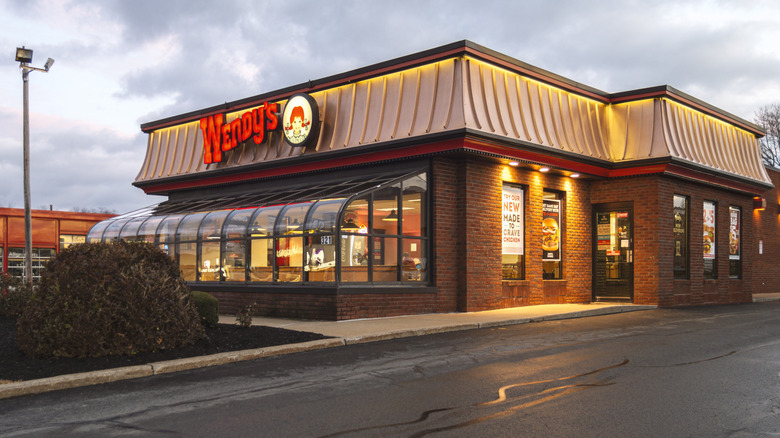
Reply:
x=605, y=208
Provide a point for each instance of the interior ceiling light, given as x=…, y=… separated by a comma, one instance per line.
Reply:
x=544, y=169
x=391, y=217
x=575, y=175
x=349, y=225
x=514, y=163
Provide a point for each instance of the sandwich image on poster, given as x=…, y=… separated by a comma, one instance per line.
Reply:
x=551, y=231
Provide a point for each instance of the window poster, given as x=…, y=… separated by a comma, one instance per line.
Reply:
x=603, y=232
x=709, y=230
x=551, y=231
x=513, y=212
x=734, y=225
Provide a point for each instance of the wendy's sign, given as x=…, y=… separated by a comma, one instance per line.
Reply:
x=300, y=120
x=219, y=136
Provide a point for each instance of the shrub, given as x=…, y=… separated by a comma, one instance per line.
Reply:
x=208, y=308
x=245, y=314
x=98, y=299
x=14, y=295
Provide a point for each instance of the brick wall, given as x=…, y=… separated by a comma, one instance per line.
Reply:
x=467, y=234
x=654, y=282
x=304, y=306
x=466, y=246
x=766, y=224
x=643, y=193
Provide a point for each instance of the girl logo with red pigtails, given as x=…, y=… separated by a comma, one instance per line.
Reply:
x=300, y=120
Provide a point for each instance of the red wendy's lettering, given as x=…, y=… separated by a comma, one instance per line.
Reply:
x=219, y=136
x=272, y=122
x=212, y=131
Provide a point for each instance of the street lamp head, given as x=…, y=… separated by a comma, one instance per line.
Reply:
x=48, y=64
x=24, y=55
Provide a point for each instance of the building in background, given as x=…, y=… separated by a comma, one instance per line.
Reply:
x=52, y=231
x=455, y=179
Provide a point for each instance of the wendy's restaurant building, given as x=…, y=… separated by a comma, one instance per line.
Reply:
x=452, y=180
x=51, y=231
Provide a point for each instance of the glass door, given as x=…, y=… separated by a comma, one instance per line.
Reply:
x=613, y=260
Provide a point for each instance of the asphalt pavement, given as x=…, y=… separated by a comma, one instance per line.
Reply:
x=341, y=333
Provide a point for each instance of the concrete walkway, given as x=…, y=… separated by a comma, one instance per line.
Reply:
x=377, y=329
x=341, y=333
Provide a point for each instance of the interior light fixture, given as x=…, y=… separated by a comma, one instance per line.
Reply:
x=349, y=225
x=544, y=169
x=392, y=217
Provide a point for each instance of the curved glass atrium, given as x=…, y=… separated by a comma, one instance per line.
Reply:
x=369, y=229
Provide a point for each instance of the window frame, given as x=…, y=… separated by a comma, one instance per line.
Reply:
x=520, y=264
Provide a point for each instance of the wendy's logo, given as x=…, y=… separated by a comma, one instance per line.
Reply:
x=301, y=120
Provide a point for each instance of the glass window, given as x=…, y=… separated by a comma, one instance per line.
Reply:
x=321, y=258
x=112, y=231
x=385, y=258
x=680, y=232
x=354, y=241
x=735, y=242
x=324, y=216
x=413, y=264
x=292, y=218
x=210, y=266
x=211, y=227
x=356, y=216
x=237, y=223
x=320, y=263
x=263, y=223
x=148, y=229
x=262, y=251
x=552, y=242
x=39, y=258
x=129, y=232
x=262, y=260
x=709, y=242
x=384, y=234
x=188, y=229
x=414, y=204
x=166, y=234
x=513, y=233
x=234, y=260
x=289, y=258
x=289, y=249
x=386, y=214
x=67, y=240
x=354, y=257
x=188, y=260
x=235, y=249
x=96, y=232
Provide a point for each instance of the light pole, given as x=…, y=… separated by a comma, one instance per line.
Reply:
x=24, y=56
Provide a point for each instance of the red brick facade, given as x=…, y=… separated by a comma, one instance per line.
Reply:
x=466, y=247
x=766, y=225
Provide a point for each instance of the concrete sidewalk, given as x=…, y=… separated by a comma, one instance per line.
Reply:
x=377, y=329
x=341, y=333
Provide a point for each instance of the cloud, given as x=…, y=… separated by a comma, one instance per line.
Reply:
x=122, y=63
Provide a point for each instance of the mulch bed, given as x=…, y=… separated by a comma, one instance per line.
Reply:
x=15, y=366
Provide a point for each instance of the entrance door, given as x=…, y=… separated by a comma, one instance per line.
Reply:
x=613, y=253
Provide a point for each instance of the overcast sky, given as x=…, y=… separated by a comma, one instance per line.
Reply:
x=123, y=63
